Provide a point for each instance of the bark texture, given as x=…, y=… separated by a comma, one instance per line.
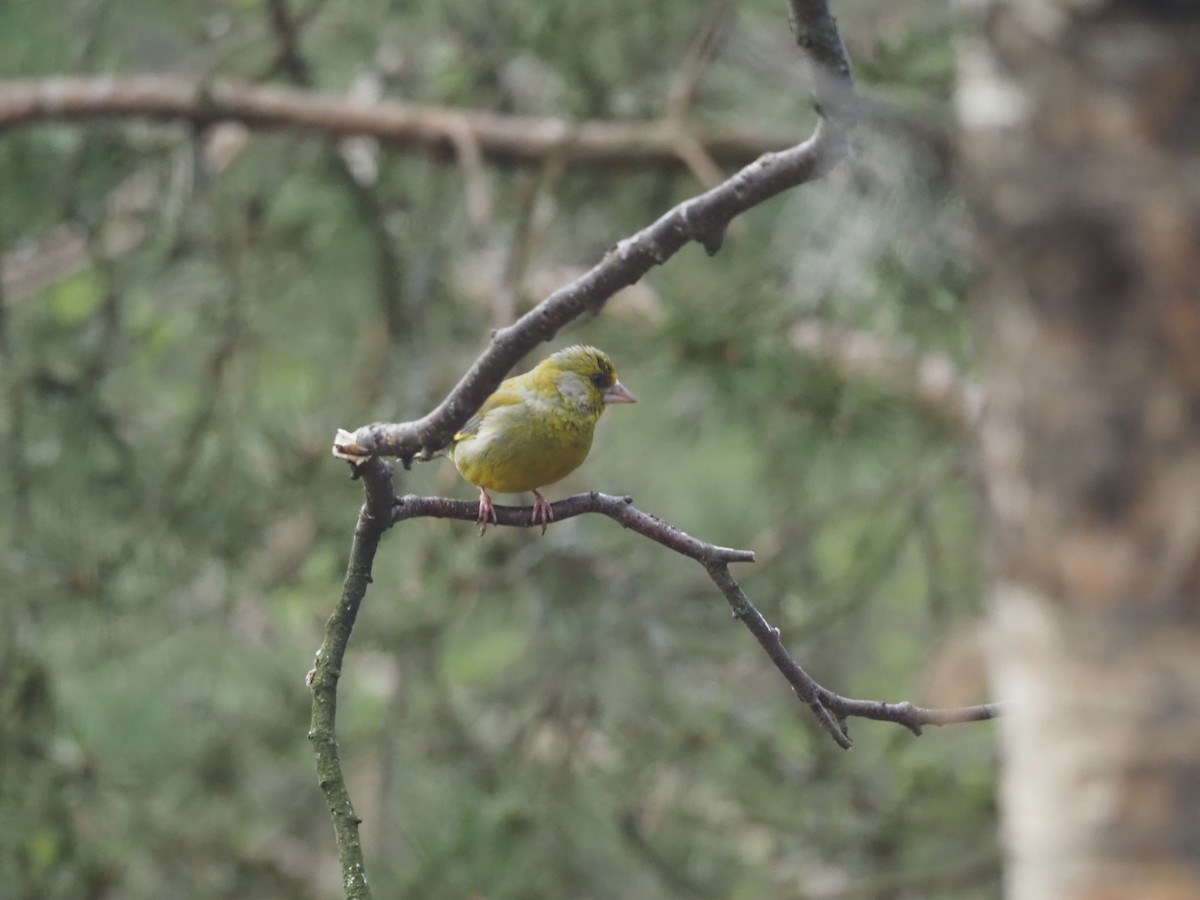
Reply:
x=1081, y=154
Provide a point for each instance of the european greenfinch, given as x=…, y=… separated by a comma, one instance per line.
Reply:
x=537, y=428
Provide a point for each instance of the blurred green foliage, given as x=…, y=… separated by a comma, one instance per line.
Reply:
x=572, y=715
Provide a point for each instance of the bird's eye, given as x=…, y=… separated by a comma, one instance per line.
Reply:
x=599, y=380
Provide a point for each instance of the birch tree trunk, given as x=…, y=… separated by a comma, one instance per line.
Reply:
x=1081, y=154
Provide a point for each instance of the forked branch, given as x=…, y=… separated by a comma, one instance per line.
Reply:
x=704, y=220
x=832, y=710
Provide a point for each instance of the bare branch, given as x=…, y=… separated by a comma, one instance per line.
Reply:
x=768, y=638
x=512, y=140
x=373, y=520
x=619, y=509
x=832, y=710
x=906, y=714
x=817, y=35
x=702, y=219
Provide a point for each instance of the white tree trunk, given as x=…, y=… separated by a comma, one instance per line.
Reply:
x=1081, y=153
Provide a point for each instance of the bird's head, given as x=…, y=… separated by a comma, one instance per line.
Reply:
x=586, y=377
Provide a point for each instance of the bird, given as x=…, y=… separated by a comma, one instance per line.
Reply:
x=537, y=428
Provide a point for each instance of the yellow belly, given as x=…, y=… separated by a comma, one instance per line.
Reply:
x=514, y=460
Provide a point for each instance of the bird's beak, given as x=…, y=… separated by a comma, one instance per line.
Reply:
x=618, y=393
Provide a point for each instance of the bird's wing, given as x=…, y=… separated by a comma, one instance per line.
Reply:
x=508, y=394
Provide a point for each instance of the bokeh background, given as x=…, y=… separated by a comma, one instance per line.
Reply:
x=189, y=314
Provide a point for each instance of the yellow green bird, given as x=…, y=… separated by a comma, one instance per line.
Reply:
x=537, y=428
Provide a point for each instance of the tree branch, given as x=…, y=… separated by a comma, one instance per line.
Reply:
x=619, y=509
x=373, y=520
x=831, y=709
x=702, y=219
x=512, y=140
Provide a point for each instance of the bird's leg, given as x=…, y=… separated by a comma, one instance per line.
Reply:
x=542, y=512
x=485, y=511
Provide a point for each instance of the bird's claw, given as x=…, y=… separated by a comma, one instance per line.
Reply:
x=486, y=511
x=543, y=512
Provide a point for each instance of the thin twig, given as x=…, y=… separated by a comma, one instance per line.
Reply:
x=768, y=637
x=700, y=54
x=831, y=709
x=619, y=509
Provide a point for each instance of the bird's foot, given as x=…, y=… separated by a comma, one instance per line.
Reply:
x=542, y=512
x=486, y=511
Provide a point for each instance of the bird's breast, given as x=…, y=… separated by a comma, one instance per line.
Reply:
x=524, y=447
